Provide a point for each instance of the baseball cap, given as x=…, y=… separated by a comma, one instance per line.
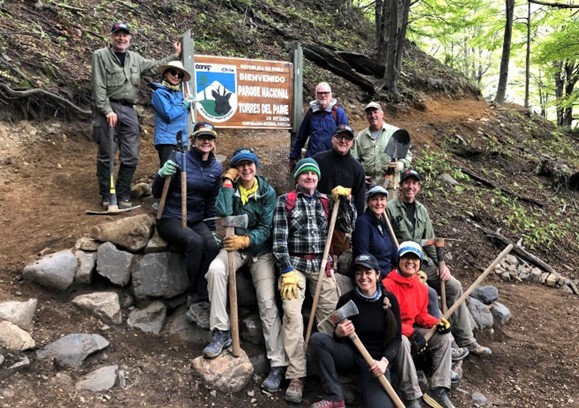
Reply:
x=367, y=260
x=373, y=105
x=120, y=26
x=410, y=247
x=344, y=129
x=376, y=190
x=204, y=128
x=410, y=173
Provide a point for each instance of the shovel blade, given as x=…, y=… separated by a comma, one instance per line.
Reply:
x=398, y=145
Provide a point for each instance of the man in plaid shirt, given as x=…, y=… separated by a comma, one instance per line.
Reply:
x=300, y=227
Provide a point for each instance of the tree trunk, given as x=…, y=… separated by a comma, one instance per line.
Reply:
x=528, y=56
x=504, y=70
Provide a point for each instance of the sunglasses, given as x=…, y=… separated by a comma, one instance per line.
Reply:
x=175, y=73
x=323, y=93
x=205, y=137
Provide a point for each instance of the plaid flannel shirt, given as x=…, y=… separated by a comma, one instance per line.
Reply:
x=303, y=231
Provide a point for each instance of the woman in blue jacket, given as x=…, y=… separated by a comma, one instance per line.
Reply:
x=203, y=181
x=171, y=109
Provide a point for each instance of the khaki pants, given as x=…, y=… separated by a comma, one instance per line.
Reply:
x=293, y=322
x=263, y=277
x=439, y=349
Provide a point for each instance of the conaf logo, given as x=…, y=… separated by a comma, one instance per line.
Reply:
x=216, y=91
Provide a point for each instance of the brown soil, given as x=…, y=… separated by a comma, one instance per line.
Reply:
x=48, y=181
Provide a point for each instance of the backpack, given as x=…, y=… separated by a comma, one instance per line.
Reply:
x=291, y=202
x=334, y=112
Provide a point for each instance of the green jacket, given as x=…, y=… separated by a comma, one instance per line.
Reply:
x=111, y=80
x=405, y=231
x=370, y=153
x=259, y=209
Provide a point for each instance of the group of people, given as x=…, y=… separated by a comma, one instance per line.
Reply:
x=284, y=241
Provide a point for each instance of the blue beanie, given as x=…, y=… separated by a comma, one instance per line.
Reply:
x=244, y=153
x=307, y=164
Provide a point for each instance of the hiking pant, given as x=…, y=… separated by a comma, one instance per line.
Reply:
x=461, y=328
x=263, y=277
x=199, y=246
x=331, y=356
x=293, y=322
x=440, y=352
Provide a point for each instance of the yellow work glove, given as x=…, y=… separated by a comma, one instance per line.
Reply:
x=443, y=326
x=340, y=191
x=290, y=285
x=235, y=242
x=231, y=174
x=423, y=277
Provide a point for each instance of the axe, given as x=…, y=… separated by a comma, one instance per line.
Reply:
x=439, y=246
x=341, y=314
x=230, y=223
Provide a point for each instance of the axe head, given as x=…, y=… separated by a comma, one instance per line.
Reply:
x=233, y=221
x=349, y=309
x=437, y=242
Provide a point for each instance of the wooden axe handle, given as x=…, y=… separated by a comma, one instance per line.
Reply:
x=472, y=287
x=370, y=361
x=166, y=185
x=234, y=319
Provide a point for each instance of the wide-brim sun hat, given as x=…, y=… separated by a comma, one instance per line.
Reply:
x=175, y=65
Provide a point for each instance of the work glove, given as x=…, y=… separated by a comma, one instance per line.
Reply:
x=443, y=326
x=398, y=166
x=217, y=240
x=340, y=191
x=417, y=343
x=231, y=174
x=236, y=242
x=290, y=285
x=168, y=169
x=423, y=277
x=187, y=102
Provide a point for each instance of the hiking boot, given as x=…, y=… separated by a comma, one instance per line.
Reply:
x=124, y=204
x=459, y=353
x=477, y=350
x=415, y=403
x=437, y=398
x=199, y=313
x=455, y=377
x=294, y=391
x=328, y=404
x=221, y=340
x=273, y=380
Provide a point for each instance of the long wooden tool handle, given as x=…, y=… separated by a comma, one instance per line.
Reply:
x=234, y=319
x=184, y=192
x=392, y=235
x=322, y=273
x=166, y=185
x=441, y=265
x=472, y=287
x=370, y=361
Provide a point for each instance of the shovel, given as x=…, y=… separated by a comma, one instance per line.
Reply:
x=397, y=148
x=113, y=207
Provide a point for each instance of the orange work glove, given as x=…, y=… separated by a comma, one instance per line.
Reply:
x=235, y=242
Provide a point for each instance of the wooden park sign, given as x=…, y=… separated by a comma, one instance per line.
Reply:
x=243, y=93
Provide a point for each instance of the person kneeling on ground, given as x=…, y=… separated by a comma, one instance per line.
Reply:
x=244, y=192
x=413, y=299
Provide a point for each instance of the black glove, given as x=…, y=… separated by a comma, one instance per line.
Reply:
x=417, y=343
x=443, y=326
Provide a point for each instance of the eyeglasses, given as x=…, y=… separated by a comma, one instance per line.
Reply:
x=323, y=93
x=344, y=135
x=175, y=73
x=211, y=138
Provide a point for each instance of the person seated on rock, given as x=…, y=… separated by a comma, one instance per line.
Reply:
x=412, y=297
x=300, y=229
x=411, y=222
x=245, y=192
x=378, y=327
x=197, y=239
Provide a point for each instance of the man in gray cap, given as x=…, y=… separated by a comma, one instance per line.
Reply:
x=370, y=144
x=115, y=81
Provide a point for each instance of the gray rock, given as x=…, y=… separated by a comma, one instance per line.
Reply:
x=506, y=276
x=180, y=328
x=486, y=294
x=225, y=372
x=260, y=364
x=55, y=270
x=344, y=283
x=448, y=179
x=19, y=313
x=113, y=264
x=87, y=244
x=73, y=349
x=344, y=262
x=511, y=260
x=156, y=244
x=501, y=313
x=160, y=275
x=131, y=233
x=478, y=399
x=552, y=280
x=480, y=312
x=246, y=296
x=101, y=379
x=251, y=330
x=1, y=359
x=104, y=305
x=13, y=337
x=22, y=363
x=535, y=275
x=149, y=319
x=86, y=266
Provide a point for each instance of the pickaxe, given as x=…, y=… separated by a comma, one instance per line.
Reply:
x=341, y=314
x=230, y=223
x=439, y=246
